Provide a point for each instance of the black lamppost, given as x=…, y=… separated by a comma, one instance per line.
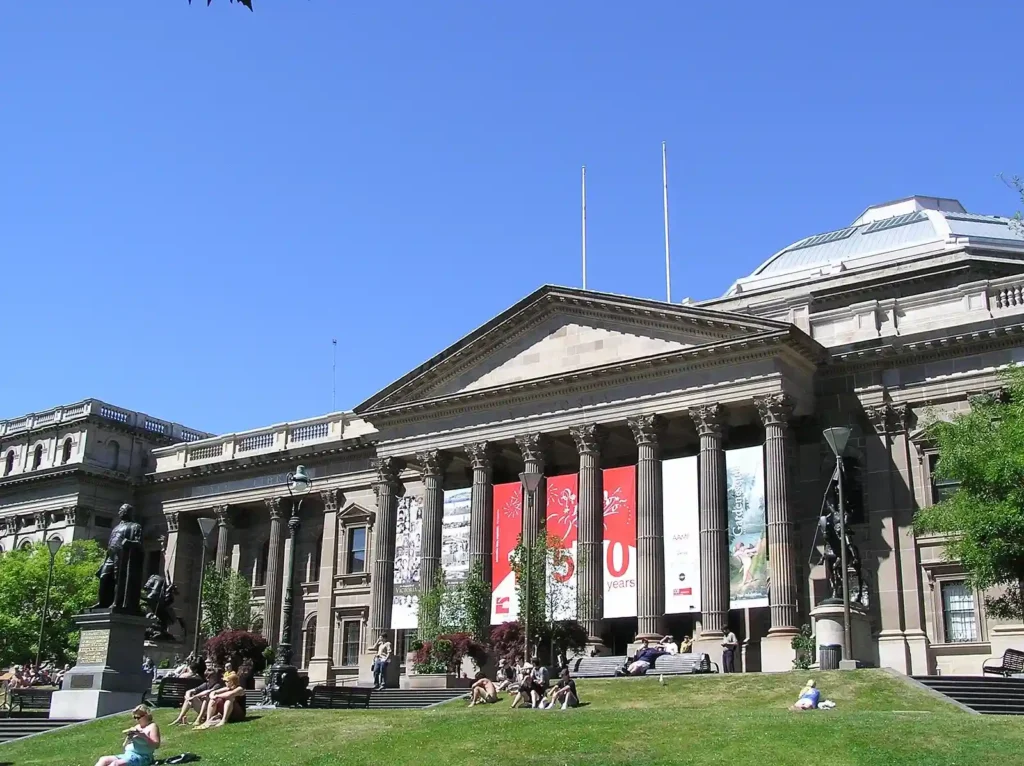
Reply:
x=531, y=482
x=53, y=545
x=287, y=687
x=837, y=439
x=205, y=526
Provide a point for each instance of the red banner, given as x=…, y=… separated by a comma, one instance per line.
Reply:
x=508, y=525
x=562, y=523
x=620, y=541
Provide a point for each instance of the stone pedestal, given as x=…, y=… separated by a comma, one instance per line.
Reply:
x=107, y=677
x=392, y=677
x=828, y=629
x=777, y=652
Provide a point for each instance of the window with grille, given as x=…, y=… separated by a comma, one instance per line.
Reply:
x=356, y=563
x=942, y=489
x=350, y=643
x=958, y=612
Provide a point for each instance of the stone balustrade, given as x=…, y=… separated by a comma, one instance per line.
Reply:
x=94, y=407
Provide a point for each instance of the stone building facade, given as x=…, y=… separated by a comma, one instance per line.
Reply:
x=884, y=326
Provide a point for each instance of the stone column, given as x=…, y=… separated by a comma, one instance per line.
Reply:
x=714, y=520
x=481, y=515
x=321, y=664
x=272, y=589
x=590, y=532
x=387, y=488
x=534, y=519
x=434, y=464
x=220, y=512
x=650, y=529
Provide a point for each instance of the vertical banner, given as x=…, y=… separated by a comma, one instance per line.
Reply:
x=748, y=545
x=620, y=541
x=508, y=526
x=682, y=535
x=455, y=535
x=562, y=523
x=408, y=534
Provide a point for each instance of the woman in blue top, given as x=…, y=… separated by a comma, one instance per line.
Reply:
x=140, y=742
x=809, y=697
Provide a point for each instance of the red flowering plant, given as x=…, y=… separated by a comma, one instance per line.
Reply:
x=445, y=653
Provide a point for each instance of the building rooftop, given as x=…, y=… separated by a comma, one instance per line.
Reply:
x=883, y=233
x=129, y=418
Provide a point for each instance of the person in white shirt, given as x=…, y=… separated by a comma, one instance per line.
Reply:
x=729, y=646
x=669, y=645
x=381, y=662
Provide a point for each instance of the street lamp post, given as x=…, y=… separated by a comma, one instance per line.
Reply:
x=287, y=686
x=205, y=526
x=53, y=545
x=531, y=482
x=837, y=439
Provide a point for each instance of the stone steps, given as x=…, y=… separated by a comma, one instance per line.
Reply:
x=990, y=696
x=17, y=727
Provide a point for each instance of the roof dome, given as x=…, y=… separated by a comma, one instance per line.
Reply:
x=882, y=233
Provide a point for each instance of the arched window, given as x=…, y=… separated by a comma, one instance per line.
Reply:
x=115, y=454
x=25, y=545
x=309, y=641
x=9, y=463
x=65, y=454
x=260, y=578
x=37, y=457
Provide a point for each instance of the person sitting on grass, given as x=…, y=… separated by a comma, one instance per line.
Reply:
x=483, y=691
x=506, y=675
x=809, y=697
x=140, y=742
x=564, y=692
x=226, y=705
x=196, y=699
x=529, y=689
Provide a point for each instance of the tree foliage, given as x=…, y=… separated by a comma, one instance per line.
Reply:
x=545, y=594
x=463, y=607
x=237, y=646
x=983, y=450
x=74, y=589
x=226, y=602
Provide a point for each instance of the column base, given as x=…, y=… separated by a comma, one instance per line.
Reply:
x=320, y=670
x=711, y=645
x=893, y=651
x=917, y=649
x=777, y=652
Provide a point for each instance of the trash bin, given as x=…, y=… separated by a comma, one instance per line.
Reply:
x=829, y=656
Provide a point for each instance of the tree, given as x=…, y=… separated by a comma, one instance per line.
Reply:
x=226, y=602
x=237, y=647
x=983, y=450
x=463, y=607
x=74, y=589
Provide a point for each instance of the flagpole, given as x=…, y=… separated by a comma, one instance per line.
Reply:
x=664, y=188
x=334, y=374
x=584, y=191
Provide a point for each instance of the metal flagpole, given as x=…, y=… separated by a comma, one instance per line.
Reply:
x=584, y=185
x=664, y=188
x=334, y=374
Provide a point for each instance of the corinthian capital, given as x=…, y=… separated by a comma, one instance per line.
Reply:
x=709, y=419
x=481, y=454
x=220, y=512
x=275, y=507
x=774, y=409
x=532, y=446
x=588, y=438
x=434, y=461
x=888, y=418
x=332, y=499
x=171, y=519
x=646, y=428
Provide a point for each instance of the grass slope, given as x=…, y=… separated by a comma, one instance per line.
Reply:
x=727, y=720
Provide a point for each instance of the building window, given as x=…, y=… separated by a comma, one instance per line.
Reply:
x=260, y=578
x=349, y=643
x=115, y=454
x=309, y=642
x=65, y=454
x=9, y=463
x=355, y=560
x=37, y=457
x=25, y=545
x=942, y=489
x=314, y=561
x=958, y=612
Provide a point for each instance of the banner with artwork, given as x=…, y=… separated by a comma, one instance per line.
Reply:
x=682, y=535
x=408, y=534
x=620, y=541
x=508, y=526
x=455, y=535
x=562, y=523
x=748, y=544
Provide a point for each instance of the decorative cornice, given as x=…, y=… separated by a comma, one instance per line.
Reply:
x=434, y=462
x=481, y=455
x=532, y=446
x=332, y=499
x=275, y=507
x=774, y=409
x=647, y=429
x=709, y=419
x=588, y=437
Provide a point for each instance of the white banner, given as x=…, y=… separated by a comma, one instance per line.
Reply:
x=408, y=535
x=455, y=535
x=748, y=544
x=682, y=535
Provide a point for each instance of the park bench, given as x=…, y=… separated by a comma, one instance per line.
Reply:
x=1012, y=664
x=30, y=698
x=171, y=692
x=340, y=697
x=683, y=664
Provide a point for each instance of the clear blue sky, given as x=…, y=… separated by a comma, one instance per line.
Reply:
x=194, y=201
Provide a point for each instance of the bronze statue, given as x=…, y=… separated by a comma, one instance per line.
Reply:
x=828, y=526
x=159, y=599
x=120, y=574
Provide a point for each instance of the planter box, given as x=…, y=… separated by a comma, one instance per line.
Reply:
x=438, y=681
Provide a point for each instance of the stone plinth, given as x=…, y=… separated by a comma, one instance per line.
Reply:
x=828, y=629
x=391, y=677
x=107, y=677
x=438, y=681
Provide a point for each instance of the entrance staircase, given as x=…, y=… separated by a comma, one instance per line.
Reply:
x=22, y=726
x=990, y=696
x=391, y=699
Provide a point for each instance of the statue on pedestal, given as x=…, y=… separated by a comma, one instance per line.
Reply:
x=120, y=574
x=829, y=527
x=159, y=599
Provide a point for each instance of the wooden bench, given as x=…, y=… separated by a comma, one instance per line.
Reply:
x=1012, y=664
x=171, y=692
x=31, y=698
x=596, y=667
x=340, y=697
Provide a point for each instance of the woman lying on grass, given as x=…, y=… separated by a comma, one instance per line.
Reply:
x=226, y=705
x=140, y=742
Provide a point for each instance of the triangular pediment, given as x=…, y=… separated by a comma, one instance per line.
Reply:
x=558, y=331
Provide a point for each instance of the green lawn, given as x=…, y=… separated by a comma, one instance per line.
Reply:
x=738, y=720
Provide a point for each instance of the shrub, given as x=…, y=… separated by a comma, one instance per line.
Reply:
x=237, y=646
x=803, y=644
x=445, y=653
